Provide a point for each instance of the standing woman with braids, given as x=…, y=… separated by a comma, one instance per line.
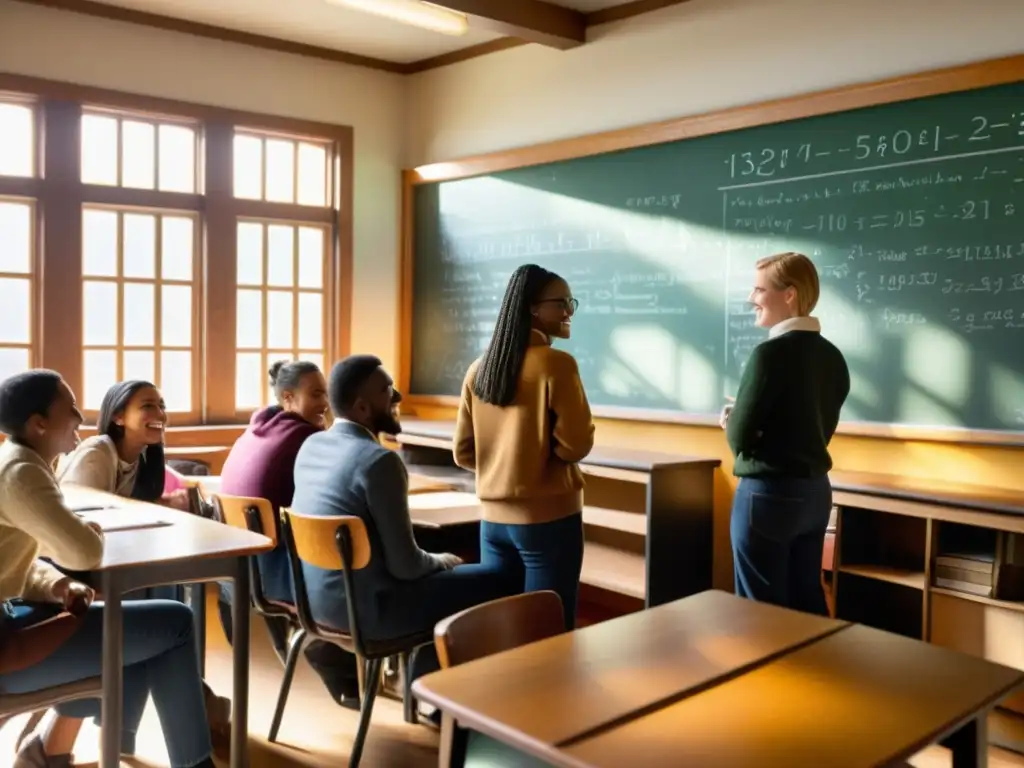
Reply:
x=524, y=422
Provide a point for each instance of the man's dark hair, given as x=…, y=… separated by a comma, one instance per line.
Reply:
x=25, y=395
x=498, y=375
x=285, y=375
x=151, y=475
x=347, y=379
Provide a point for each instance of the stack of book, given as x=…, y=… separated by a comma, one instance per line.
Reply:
x=970, y=572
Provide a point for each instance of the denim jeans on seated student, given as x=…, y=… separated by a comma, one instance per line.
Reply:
x=778, y=534
x=159, y=660
x=538, y=556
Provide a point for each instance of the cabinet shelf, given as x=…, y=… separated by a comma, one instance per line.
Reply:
x=615, y=520
x=1009, y=605
x=614, y=570
x=902, y=576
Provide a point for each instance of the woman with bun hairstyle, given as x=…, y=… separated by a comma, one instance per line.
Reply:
x=786, y=411
x=261, y=465
x=39, y=415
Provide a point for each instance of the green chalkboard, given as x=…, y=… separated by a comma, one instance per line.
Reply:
x=913, y=213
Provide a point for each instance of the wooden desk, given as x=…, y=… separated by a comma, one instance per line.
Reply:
x=443, y=509
x=717, y=680
x=886, y=698
x=189, y=550
x=426, y=484
x=543, y=694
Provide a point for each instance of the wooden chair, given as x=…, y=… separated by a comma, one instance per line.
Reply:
x=339, y=543
x=258, y=516
x=484, y=630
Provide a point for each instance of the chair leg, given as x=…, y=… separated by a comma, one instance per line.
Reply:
x=408, y=700
x=366, y=711
x=294, y=649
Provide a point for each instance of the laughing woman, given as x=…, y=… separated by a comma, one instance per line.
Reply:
x=786, y=411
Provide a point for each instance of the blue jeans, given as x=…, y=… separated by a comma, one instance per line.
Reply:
x=159, y=659
x=778, y=533
x=538, y=556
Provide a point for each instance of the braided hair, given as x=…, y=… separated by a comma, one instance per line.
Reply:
x=498, y=375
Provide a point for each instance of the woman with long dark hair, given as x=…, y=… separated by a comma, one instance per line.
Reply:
x=39, y=415
x=126, y=456
x=523, y=425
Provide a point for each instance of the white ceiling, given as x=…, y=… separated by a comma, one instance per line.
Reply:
x=320, y=23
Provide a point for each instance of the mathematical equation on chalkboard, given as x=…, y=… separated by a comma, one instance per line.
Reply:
x=932, y=142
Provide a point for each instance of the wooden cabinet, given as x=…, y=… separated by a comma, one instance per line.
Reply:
x=647, y=516
x=895, y=537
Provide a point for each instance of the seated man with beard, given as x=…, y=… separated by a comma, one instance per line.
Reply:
x=346, y=471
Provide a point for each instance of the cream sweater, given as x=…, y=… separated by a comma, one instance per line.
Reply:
x=35, y=522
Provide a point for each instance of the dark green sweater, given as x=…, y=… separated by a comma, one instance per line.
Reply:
x=787, y=407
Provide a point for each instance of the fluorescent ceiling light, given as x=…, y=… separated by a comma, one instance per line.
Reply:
x=414, y=12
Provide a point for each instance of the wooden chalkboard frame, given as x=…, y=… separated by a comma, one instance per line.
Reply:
x=967, y=77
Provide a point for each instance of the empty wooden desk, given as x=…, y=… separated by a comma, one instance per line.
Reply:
x=541, y=695
x=856, y=699
x=426, y=484
x=173, y=547
x=444, y=508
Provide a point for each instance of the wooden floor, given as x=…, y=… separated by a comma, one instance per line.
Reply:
x=317, y=732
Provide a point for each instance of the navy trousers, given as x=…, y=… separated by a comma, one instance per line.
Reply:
x=778, y=533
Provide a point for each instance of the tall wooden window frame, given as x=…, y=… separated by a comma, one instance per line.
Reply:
x=59, y=197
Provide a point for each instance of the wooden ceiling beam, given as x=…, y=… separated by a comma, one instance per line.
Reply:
x=534, y=21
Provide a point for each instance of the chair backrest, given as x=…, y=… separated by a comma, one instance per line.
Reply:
x=258, y=516
x=318, y=540
x=498, y=625
x=333, y=543
x=247, y=513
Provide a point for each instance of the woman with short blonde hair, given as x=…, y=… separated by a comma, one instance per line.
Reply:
x=786, y=411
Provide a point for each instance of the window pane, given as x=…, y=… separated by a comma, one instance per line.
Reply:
x=139, y=315
x=176, y=380
x=249, y=380
x=250, y=253
x=100, y=372
x=312, y=174
x=311, y=321
x=280, y=170
x=99, y=314
x=99, y=243
x=13, y=361
x=16, y=140
x=16, y=303
x=15, y=235
x=176, y=316
x=138, y=154
x=177, y=158
x=177, y=245
x=311, y=257
x=99, y=149
x=248, y=162
x=139, y=245
x=139, y=364
x=249, y=320
x=280, y=258
x=279, y=319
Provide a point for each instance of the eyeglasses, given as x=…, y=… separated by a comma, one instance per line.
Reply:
x=569, y=305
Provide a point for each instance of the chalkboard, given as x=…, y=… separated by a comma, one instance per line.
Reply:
x=912, y=211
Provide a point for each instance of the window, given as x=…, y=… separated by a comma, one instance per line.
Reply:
x=279, y=309
x=17, y=140
x=280, y=170
x=137, y=153
x=183, y=244
x=16, y=247
x=138, y=302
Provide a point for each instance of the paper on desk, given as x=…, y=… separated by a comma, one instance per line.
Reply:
x=123, y=519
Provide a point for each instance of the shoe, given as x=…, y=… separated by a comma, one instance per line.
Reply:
x=31, y=754
x=218, y=716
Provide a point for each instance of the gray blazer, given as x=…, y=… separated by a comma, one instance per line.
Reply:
x=345, y=471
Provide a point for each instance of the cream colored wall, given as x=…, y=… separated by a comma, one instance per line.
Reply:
x=698, y=57
x=65, y=46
